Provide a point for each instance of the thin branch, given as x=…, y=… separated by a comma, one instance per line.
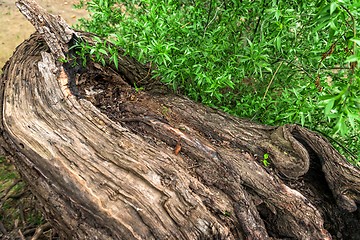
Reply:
x=40, y=230
x=217, y=10
x=258, y=21
x=353, y=20
x=272, y=79
x=2, y=228
x=335, y=68
x=351, y=154
x=299, y=67
x=352, y=64
x=30, y=230
x=21, y=213
x=209, y=12
x=21, y=235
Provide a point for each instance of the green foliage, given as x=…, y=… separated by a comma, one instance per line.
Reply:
x=275, y=62
x=343, y=104
x=100, y=51
x=265, y=160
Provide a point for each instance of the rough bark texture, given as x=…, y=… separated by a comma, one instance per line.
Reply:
x=108, y=162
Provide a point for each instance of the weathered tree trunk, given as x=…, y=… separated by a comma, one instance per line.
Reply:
x=108, y=162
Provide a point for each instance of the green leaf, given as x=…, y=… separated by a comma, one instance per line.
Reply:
x=329, y=106
x=341, y=125
x=278, y=43
x=326, y=97
x=351, y=120
x=324, y=22
x=352, y=117
x=356, y=40
x=352, y=58
x=97, y=39
x=333, y=7
x=302, y=118
x=116, y=61
x=265, y=162
x=333, y=25
x=103, y=51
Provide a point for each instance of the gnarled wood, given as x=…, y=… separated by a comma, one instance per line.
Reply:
x=108, y=162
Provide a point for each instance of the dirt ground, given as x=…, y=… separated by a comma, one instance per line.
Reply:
x=14, y=28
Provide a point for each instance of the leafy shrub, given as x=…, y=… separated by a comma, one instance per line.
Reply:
x=275, y=62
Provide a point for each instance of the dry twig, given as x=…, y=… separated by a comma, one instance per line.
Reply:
x=40, y=230
x=21, y=235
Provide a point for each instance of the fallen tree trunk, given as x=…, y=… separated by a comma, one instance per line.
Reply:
x=109, y=162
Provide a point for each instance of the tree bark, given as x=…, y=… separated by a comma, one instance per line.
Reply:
x=109, y=162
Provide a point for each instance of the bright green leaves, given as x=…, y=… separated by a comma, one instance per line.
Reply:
x=333, y=7
x=340, y=104
x=226, y=53
x=265, y=160
x=114, y=57
x=355, y=57
x=342, y=107
x=162, y=52
x=101, y=51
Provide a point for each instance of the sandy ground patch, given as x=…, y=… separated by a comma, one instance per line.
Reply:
x=14, y=28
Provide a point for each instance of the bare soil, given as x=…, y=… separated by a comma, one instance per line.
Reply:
x=14, y=28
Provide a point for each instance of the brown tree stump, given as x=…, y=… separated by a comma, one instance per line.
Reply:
x=109, y=162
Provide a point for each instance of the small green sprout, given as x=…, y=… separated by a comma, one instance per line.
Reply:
x=63, y=60
x=227, y=213
x=138, y=89
x=265, y=160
